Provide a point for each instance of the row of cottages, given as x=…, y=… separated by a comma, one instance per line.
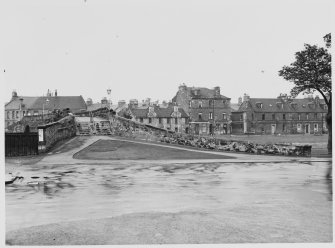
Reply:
x=209, y=111
x=20, y=106
x=282, y=115
x=165, y=116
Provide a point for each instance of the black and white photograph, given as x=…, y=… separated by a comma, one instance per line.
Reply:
x=166, y=123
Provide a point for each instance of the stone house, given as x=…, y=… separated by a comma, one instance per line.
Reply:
x=281, y=115
x=209, y=111
x=20, y=106
x=167, y=116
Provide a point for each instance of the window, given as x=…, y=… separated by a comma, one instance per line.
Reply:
x=299, y=127
x=263, y=117
x=8, y=114
x=141, y=119
x=210, y=115
x=24, y=113
x=273, y=117
x=284, y=127
x=13, y=113
x=150, y=120
x=168, y=120
x=315, y=116
x=176, y=129
x=224, y=116
x=200, y=116
x=307, y=116
x=210, y=102
x=175, y=120
x=284, y=117
x=299, y=117
x=35, y=112
x=190, y=104
x=200, y=104
x=17, y=114
x=160, y=120
x=224, y=102
x=241, y=117
x=252, y=116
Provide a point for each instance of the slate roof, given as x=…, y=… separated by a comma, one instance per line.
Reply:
x=203, y=93
x=274, y=105
x=161, y=112
x=14, y=104
x=74, y=103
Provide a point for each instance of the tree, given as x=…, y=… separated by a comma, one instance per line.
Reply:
x=310, y=72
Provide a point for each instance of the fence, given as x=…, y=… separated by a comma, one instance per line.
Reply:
x=21, y=144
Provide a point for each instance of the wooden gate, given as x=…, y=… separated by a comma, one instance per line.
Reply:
x=21, y=144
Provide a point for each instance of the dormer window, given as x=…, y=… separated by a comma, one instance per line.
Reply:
x=293, y=104
x=259, y=105
x=311, y=105
x=280, y=105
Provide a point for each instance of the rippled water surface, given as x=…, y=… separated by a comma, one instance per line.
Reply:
x=72, y=192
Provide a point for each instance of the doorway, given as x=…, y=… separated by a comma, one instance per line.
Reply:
x=273, y=128
x=196, y=129
x=307, y=128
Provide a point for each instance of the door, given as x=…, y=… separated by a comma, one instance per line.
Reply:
x=210, y=128
x=307, y=128
x=273, y=128
x=196, y=129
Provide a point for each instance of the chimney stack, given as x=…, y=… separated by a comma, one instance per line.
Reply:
x=239, y=101
x=246, y=97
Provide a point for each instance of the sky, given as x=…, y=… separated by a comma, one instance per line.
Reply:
x=145, y=48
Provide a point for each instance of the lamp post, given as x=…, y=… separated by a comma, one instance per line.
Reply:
x=109, y=101
x=46, y=102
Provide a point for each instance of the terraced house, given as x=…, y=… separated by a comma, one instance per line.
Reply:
x=281, y=115
x=209, y=111
x=166, y=116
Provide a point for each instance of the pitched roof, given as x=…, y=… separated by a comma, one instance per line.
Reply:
x=161, y=112
x=74, y=103
x=278, y=105
x=203, y=93
x=27, y=101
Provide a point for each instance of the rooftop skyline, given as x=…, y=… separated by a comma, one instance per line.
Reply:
x=148, y=48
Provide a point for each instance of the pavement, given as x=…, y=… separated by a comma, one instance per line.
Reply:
x=263, y=204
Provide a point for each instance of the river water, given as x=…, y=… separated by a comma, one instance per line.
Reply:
x=52, y=194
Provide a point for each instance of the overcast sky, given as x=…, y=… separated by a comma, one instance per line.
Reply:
x=147, y=48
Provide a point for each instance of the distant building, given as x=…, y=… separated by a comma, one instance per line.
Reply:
x=104, y=103
x=20, y=106
x=209, y=111
x=169, y=116
x=281, y=115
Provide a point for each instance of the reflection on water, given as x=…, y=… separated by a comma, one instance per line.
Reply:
x=63, y=193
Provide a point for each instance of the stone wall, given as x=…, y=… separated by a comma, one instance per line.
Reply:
x=51, y=133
